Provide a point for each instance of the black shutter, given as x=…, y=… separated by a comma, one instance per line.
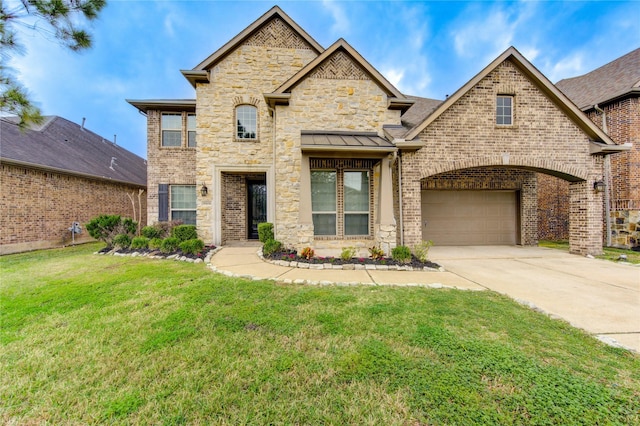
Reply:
x=163, y=202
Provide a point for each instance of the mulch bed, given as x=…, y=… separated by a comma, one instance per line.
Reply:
x=155, y=252
x=292, y=256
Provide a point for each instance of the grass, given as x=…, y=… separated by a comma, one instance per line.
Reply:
x=610, y=253
x=89, y=339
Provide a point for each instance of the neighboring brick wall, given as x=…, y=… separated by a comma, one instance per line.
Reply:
x=39, y=206
x=172, y=165
x=541, y=138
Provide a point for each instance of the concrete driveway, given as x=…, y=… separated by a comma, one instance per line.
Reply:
x=598, y=296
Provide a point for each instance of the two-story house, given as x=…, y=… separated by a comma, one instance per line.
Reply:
x=321, y=144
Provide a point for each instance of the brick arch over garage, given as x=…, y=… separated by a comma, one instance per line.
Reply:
x=563, y=170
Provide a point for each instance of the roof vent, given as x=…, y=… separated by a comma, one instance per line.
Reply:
x=113, y=163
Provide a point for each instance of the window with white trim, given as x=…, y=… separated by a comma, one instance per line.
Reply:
x=340, y=202
x=504, y=110
x=246, y=122
x=191, y=130
x=183, y=203
x=171, y=129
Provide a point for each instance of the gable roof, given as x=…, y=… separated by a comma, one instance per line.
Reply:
x=396, y=99
x=542, y=82
x=612, y=81
x=200, y=72
x=65, y=147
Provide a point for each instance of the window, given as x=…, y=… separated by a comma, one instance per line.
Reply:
x=183, y=203
x=246, y=122
x=340, y=202
x=171, y=129
x=191, y=130
x=356, y=203
x=323, y=202
x=504, y=110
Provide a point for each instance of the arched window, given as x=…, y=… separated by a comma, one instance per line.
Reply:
x=246, y=122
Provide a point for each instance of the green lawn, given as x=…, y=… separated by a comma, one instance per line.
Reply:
x=90, y=339
x=610, y=253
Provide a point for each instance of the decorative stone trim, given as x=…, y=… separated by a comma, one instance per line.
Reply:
x=151, y=255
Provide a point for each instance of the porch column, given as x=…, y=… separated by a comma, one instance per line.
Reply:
x=585, y=218
x=386, y=223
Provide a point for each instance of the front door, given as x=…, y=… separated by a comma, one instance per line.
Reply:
x=257, y=206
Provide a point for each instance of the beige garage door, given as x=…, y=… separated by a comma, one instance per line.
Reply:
x=468, y=218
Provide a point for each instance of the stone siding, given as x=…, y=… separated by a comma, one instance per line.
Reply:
x=242, y=77
x=39, y=206
x=323, y=102
x=466, y=136
x=625, y=228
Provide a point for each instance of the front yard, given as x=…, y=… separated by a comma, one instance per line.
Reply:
x=89, y=339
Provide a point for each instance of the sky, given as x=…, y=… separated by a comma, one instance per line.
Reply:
x=427, y=49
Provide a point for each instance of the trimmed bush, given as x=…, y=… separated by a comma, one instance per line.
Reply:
x=169, y=244
x=184, y=232
x=421, y=250
x=193, y=246
x=122, y=241
x=140, y=243
x=271, y=246
x=401, y=254
x=107, y=227
x=265, y=232
x=151, y=232
x=155, y=243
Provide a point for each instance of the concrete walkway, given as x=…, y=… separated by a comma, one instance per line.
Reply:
x=598, y=296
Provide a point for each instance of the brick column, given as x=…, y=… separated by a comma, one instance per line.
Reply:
x=585, y=218
x=411, y=202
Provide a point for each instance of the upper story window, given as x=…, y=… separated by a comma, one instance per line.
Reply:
x=191, y=130
x=504, y=110
x=171, y=129
x=246, y=122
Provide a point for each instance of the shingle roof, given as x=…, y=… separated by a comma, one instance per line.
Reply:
x=610, y=81
x=61, y=145
x=421, y=109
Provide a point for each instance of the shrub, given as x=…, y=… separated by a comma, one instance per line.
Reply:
x=271, y=246
x=107, y=227
x=184, y=232
x=169, y=244
x=122, y=241
x=193, y=246
x=421, y=250
x=265, y=232
x=140, y=243
x=307, y=253
x=376, y=253
x=155, y=243
x=401, y=254
x=151, y=232
x=347, y=253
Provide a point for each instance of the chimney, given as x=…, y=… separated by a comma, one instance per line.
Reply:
x=114, y=139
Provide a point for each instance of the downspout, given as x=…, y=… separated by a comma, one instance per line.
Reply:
x=607, y=179
x=273, y=142
x=401, y=224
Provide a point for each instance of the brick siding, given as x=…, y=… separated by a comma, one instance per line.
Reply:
x=39, y=206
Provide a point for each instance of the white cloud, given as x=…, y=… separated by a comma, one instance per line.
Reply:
x=341, y=24
x=394, y=75
x=569, y=66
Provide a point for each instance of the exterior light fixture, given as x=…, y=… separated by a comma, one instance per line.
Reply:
x=204, y=190
x=598, y=186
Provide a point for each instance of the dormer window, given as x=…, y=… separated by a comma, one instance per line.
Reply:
x=247, y=122
x=504, y=110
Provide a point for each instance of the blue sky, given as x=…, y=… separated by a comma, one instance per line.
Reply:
x=426, y=49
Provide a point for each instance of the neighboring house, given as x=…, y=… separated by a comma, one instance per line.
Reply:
x=59, y=173
x=318, y=142
x=610, y=97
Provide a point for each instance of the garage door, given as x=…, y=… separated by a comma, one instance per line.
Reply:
x=470, y=217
